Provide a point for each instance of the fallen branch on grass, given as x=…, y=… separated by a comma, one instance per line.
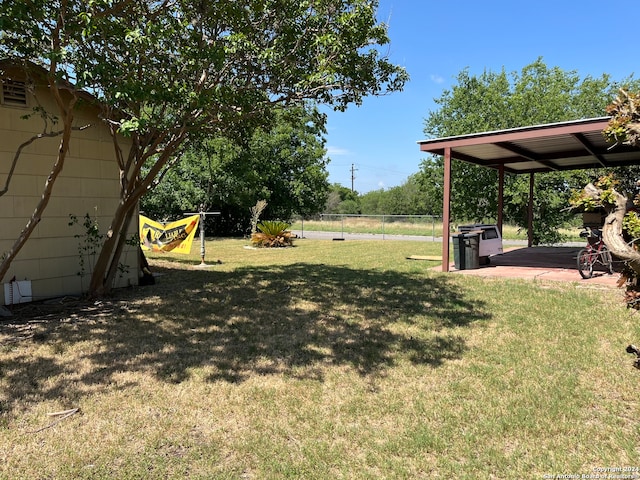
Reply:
x=63, y=414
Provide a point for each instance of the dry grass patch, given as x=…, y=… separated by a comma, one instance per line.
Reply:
x=326, y=360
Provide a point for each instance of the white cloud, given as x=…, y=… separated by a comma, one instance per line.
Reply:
x=436, y=78
x=337, y=151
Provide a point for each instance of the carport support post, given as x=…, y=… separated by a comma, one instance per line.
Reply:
x=530, y=212
x=445, y=209
x=500, y=197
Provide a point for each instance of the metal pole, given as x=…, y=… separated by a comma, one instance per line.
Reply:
x=202, y=251
x=500, y=197
x=203, y=215
x=530, y=211
x=446, y=209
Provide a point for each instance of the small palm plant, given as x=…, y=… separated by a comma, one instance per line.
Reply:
x=272, y=234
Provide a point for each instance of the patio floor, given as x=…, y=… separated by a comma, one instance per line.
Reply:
x=539, y=263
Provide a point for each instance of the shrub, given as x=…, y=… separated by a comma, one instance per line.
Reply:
x=272, y=234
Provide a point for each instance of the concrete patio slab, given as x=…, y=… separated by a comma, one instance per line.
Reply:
x=539, y=263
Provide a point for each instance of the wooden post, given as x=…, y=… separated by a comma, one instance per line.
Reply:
x=500, y=198
x=446, y=209
x=530, y=211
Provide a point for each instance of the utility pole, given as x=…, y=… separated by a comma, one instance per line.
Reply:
x=353, y=176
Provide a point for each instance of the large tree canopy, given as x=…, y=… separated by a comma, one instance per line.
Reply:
x=283, y=164
x=167, y=71
x=495, y=101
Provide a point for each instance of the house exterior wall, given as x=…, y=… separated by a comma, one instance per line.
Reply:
x=88, y=184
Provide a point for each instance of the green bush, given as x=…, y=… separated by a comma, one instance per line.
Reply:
x=272, y=234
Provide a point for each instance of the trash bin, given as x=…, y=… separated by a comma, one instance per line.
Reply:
x=465, y=251
x=490, y=242
x=472, y=250
x=458, y=251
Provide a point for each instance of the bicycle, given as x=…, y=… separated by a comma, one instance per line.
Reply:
x=596, y=252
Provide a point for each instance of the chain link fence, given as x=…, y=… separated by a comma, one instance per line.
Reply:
x=383, y=225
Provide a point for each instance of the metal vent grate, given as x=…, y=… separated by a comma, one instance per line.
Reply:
x=14, y=92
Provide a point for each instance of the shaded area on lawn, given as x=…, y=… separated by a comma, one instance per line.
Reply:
x=296, y=320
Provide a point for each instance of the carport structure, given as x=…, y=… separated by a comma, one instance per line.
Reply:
x=560, y=146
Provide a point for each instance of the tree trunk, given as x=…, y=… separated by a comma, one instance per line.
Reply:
x=36, y=216
x=132, y=187
x=115, y=259
x=66, y=111
x=98, y=285
x=612, y=234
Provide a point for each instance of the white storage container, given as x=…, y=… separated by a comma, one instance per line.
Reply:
x=490, y=239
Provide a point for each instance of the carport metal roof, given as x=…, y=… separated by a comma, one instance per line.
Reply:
x=560, y=146
x=571, y=145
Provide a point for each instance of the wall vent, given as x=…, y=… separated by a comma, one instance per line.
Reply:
x=14, y=92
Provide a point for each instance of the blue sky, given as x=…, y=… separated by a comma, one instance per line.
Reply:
x=435, y=40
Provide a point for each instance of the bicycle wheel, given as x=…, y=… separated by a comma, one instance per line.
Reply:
x=607, y=261
x=585, y=263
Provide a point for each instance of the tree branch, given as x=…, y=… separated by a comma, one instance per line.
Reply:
x=612, y=233
x=23, y=145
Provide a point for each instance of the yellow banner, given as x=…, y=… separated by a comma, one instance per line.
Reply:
x=172, y=237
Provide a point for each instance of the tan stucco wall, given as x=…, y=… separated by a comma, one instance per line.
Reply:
x=87, y=184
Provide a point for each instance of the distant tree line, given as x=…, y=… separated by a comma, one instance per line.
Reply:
x=410, y=198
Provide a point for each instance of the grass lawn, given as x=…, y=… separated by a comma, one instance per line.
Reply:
x=326, y=360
